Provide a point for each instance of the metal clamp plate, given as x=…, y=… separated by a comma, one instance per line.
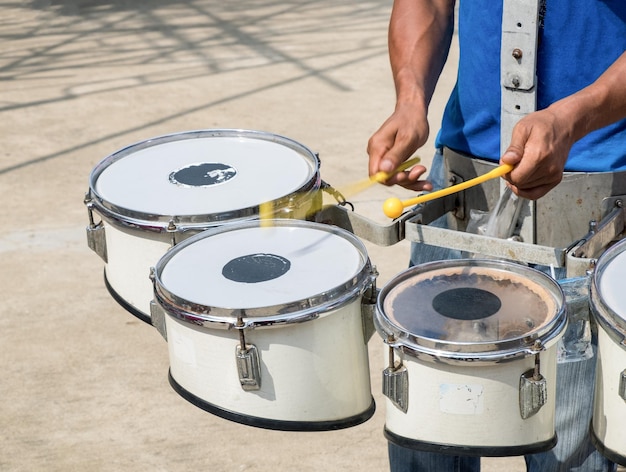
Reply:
x=249, y=367
x=396, y=386
x=533, y=393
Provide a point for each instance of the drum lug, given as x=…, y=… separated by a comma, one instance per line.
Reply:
x=396, y=386
x=95, y=234
x=157, y=318
x=396, y=380
x=622, y=385
x=368, y=307
x=248, y=365
x=533, y=388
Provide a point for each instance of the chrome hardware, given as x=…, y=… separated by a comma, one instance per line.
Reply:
x=368, y=307
x=533, y=388
x=157, y=313
x=157, y=318
x=249, y=367
x=396, y=382
x=248, y=362
x=622, y=385
x=95, y=233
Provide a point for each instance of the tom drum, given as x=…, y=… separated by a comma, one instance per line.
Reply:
x=608, y=305
x=264, y=324
x=155, y=193
x=472, y=357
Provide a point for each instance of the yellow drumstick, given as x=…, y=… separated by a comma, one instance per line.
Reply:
x=393, y=207
x=378, y=178
x=266, y=210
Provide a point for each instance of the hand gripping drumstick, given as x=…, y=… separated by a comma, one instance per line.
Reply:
x=378, y=178
x=381, y=176
x=393, y=207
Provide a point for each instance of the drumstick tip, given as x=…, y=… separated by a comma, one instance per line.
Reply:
x=393, y=207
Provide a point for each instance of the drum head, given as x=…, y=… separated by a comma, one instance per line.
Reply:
x=272, y=270
x=609, y=279
x=471, y=305
x=204, y=173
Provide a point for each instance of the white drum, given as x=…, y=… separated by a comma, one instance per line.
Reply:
x=264, y=324
x=155, y=193
x=472, y=357
x=608, y=305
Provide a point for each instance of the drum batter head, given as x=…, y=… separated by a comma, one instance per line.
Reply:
x=470, y=306
x=222, y=173
x=276, y=269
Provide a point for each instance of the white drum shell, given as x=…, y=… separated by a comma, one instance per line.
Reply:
x=131, y=254
x=472, y=405
x=609, y=309
x=313, y=371
x=301, y=312
x=609, y=411
x=136, y=240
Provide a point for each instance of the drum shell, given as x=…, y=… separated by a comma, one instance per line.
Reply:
x=609, y=408
x=464, y=397
x=492, y=426
x=307, y=325
x=135, y=240
x=609, y=411
x=311, y=372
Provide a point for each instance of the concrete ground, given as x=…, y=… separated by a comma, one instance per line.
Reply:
x=84, y=384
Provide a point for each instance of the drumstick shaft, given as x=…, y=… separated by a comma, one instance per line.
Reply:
x=380, y=177
x=497, y=172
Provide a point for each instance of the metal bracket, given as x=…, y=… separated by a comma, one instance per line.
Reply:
x=96, y=240
x=249, y=367
x=533, y=394
x=489, y=246
x=368, y=307
x=396, y=386
x=533, y=387
x=157, y=318
x=95, y=232
x=518, y=59
x=603, y=233
x=382, y=235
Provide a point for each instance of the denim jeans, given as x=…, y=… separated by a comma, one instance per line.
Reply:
x=575, y=385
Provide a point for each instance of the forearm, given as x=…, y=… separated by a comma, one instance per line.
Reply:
x=420, y=32
x=600, y=104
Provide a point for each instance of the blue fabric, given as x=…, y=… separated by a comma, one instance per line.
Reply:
x=579, y=40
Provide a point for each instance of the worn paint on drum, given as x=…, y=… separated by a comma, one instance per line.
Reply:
x=464, y=331
x=263, y=171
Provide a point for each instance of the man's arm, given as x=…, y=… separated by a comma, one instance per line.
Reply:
x=542, y=140
x=420, y=33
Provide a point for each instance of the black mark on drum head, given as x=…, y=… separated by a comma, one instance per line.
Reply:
x=466, y=303
x=203, y=175
x=255, y=268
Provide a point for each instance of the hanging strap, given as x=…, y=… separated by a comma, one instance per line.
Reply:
x=518, y=61
x=518, y=77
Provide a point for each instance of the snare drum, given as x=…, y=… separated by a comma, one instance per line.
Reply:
x=608, y=305
x=155, y=193
x=264, y=324
x=472, y=357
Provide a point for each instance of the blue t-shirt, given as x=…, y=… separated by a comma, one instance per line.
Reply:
x=578, y=41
